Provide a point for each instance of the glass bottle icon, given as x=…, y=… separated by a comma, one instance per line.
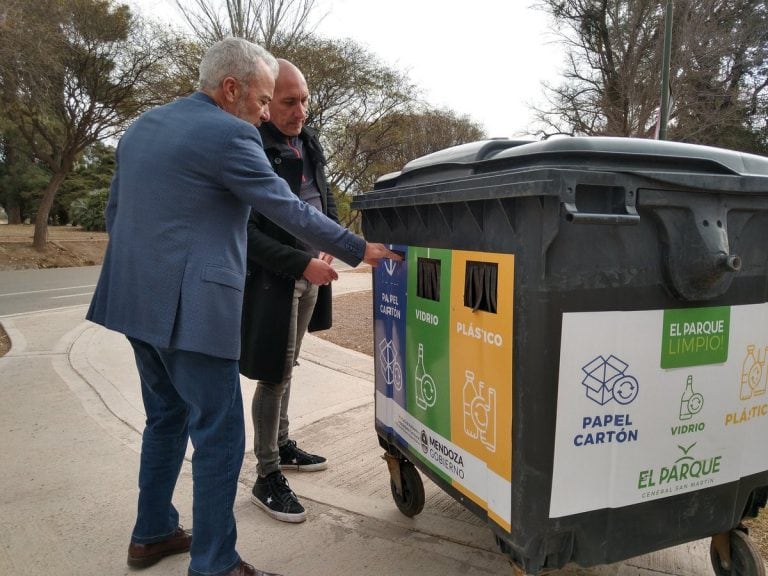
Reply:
x=426, y=392
x=420, y=364
x=691, y=402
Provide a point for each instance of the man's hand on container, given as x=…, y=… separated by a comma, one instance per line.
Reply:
x=375, y=251
x=320, y=272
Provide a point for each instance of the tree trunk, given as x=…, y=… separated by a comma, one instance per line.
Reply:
x=14, y=213
x=40, y=239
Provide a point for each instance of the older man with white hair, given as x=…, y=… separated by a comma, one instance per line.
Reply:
x=187, y=175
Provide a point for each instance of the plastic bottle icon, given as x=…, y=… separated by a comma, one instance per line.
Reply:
x=479, y=407
x=426, y=391
x=468, y=394
x=752, y=383
x=485, y=416
x=691, y=402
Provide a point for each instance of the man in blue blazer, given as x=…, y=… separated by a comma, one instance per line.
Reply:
x=187, y=175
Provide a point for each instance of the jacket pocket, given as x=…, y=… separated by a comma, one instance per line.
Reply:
x=225, y=276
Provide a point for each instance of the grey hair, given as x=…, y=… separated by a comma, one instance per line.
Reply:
x=234, y=57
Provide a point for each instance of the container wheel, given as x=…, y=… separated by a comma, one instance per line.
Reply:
x=410, y=500
x=745, y=558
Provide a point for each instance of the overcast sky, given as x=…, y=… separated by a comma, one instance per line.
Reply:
x=482, y=58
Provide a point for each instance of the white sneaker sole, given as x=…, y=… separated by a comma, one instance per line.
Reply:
x=282, y=516
x=305, y=467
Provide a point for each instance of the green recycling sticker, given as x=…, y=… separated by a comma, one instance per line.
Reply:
x=695, y=336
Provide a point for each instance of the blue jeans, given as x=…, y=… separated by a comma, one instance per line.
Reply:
x=190, y=395
x=269, y=407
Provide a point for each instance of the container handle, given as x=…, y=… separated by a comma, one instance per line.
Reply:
x=572, y=214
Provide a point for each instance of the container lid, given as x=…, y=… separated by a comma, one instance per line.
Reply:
x=585, y=153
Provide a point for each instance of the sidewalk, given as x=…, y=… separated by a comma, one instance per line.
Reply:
x=71, y=416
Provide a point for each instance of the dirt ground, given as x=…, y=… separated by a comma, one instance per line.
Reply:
x=352, y=313
x=67, y=246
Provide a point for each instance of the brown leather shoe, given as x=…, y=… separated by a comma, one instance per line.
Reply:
x=145, y=555
x=245, y=569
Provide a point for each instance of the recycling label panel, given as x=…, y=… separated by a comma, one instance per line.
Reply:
x=443, y=328
x=429, y=396
x=657, y=403
x=389, y=305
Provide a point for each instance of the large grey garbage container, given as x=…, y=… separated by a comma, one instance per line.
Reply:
x=575, y=344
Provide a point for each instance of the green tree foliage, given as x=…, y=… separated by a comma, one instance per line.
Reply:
x=92, y=171
x=22, y=179
x=612, y=77
x=73, y=73
x=88, y=211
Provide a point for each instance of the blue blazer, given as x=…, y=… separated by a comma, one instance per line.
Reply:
x=186, y=177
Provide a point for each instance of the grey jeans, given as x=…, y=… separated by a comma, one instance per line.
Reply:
x=269, y=408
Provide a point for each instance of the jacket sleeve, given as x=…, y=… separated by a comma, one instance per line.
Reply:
x=245, y=171
x=272, y=254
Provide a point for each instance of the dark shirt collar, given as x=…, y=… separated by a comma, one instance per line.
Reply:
x=275, y=133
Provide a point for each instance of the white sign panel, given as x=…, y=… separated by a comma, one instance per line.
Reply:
x=657, y=403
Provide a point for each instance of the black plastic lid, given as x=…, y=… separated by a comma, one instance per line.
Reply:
x=588, y=152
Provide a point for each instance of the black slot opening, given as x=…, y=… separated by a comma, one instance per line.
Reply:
x=596, y=199
x=481, y=286
x=428, y=279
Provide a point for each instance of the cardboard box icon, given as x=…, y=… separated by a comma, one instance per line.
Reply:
x=601, y=375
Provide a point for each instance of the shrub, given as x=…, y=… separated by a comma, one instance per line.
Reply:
x=88, y=211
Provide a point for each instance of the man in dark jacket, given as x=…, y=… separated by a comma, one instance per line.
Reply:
x=287, y=292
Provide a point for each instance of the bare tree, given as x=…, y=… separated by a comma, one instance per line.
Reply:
x=370, y=118
x=404, y=136
x=368, y=151
x=608, y=86
x=260, y=21
x=351, y=92
x=612, y=77
x=720, y=74
x=354, y=99
x=73, y=73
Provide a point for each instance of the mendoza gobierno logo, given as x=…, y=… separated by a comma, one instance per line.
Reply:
x=444, y=456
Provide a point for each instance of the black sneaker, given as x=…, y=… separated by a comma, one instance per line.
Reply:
x=272, y=494
x=294, y=458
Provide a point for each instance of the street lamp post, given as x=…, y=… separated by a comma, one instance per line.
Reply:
x=664, y=112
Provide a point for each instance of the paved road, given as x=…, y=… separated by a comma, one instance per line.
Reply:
x=23, y=291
